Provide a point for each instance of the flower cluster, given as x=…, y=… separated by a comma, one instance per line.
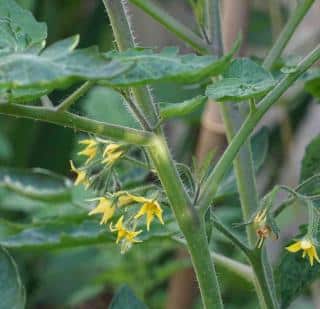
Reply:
x=128, y=209
x=124, y=202
x=101, y=156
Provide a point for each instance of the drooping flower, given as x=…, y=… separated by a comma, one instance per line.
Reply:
x=104, y=207
x=111, y=154
x=123, y=233
x=81, y=175
x=90, y=150
x=308, y=248
x=150, y=208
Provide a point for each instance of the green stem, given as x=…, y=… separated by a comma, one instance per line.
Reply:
x=243, y=165
x=287, y=33
x=187, y=218
x=214, y=25
x=233, y=238
x=170, y=23
x=124, y=38
x=75, y=122
x=189, y=222
x=70, y=100
x=233, y=119
x=242, y=270
x=244, y=170
x=266, y=298
x=210, y=187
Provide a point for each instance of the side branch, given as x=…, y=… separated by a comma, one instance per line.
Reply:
x=78, y=123
x=210, y=187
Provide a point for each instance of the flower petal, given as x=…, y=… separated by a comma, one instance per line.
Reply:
x=294, y=247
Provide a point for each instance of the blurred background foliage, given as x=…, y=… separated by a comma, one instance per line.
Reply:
x=87, y=277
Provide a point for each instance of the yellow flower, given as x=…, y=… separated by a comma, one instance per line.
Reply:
x=150, y=208
x=124, y=198
x=81, y=176
x=90, y=151
x=123, y=233
x=112, y=153
x=308, y=248
x=105, y=207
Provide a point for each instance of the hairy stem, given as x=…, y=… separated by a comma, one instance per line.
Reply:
x=187, y=218
x=265, y=293
x=189, y=222
x=75, y=122
x=124, y=39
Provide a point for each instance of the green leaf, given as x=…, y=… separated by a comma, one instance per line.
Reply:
x=37, y=184
x=112, y=110
x=294, y=273
x=311, y=160
x=312, y=84
x=168, y=65
x=182, y=109
x=11, y=289
x=293, y=276
x=58, y=66
x=71, y=233
x=243, y=80
x=125, y=298
x=58, y=235
x=18, y=29
x=5, y=147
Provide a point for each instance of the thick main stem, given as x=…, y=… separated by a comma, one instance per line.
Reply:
x=189, y=222
x=187, y=218
x=124, y=40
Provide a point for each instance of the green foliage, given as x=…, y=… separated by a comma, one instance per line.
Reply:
x=58, y=235
x=125, y=298
x=293, y=266
x=312, y=82
x=37, y=184
x=310, y=163
x=243, y=80
x=19, y=31
x=11, y=289
x=168, y=65
x=182, y=109
x=294, y=274
x=57, y=66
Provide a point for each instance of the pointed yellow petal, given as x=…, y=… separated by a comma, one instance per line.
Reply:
x=159, y=216
x=310, y=255
x=141, y=212
x=315, y=254
x=294, y=247
x=150, y=216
